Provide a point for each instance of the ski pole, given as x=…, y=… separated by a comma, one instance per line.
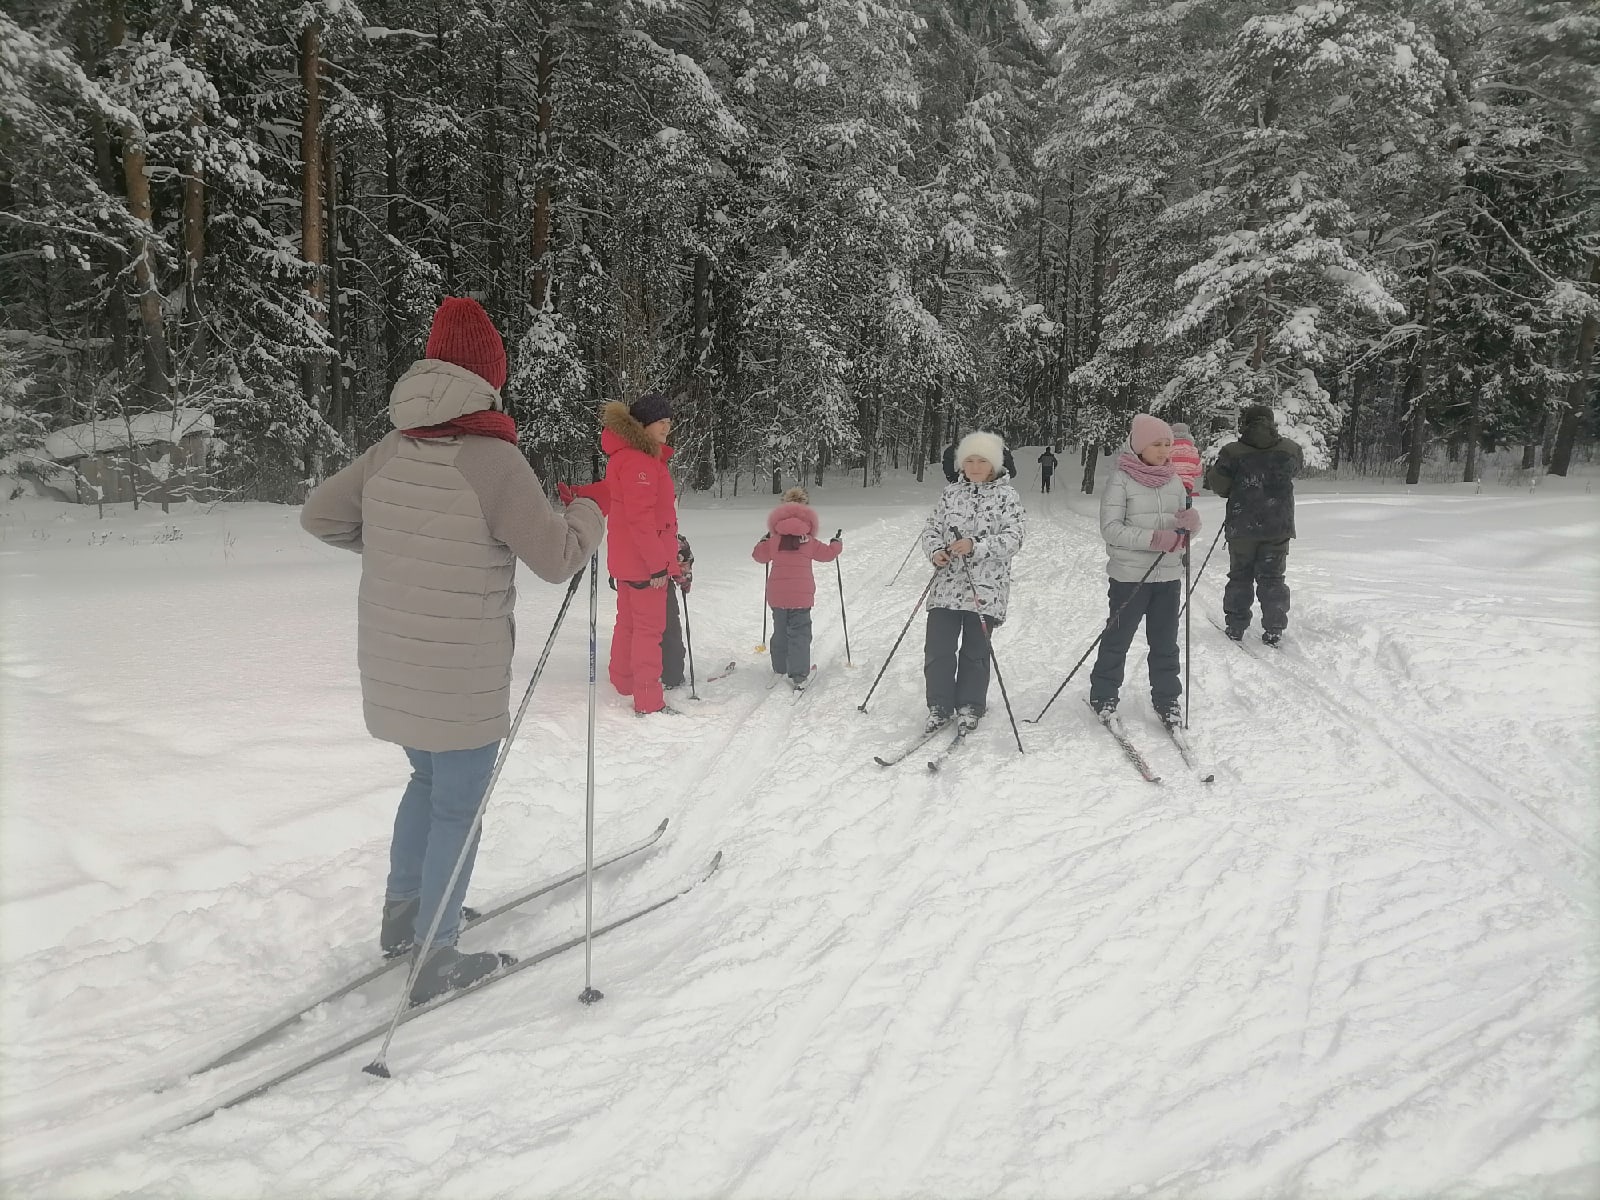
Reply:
x=766, y=576
x=1188, y=503
x=1189, y=589
x=1110, y=621
x=843, y=619
x=983, y=623
x=591, y=993
x=915, y=541
x=378, y=1066
x=688, y=641
x=863, y=705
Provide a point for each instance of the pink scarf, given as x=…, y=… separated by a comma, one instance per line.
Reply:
x=1142, y=472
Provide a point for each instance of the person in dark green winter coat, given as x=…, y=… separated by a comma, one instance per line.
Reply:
x=1256, y=475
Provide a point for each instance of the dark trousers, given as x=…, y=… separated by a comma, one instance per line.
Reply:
x=1157, y=605
x=672, y=643
x=955, y=660
x=1257, y=565
x=1044, y=481
x=790, y=643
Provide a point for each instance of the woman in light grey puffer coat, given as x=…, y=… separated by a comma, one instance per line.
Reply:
x=970, y=537
x=441, y=510
x=1144, y=519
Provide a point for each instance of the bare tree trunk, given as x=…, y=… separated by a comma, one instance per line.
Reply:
x=1417, y=383
x=311, y=206
x=1474, y=433
x=1091, y=456
x=391, y=228
x=157, y=374
x=194, y=250
x=494, y=189
x=336, y=401
x=1578, y=389
x=542, y=197
x=115, y=260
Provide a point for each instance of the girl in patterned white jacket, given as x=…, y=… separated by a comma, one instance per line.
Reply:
x=970, y=538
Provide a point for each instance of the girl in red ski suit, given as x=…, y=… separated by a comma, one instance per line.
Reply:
x=641, y=542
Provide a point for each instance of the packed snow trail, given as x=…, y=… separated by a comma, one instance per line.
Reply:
x=1359, y=964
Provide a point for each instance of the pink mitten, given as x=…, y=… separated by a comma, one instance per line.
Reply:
x=1166, y=540
x=1187, y=520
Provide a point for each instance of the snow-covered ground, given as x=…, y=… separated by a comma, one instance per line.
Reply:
x=1361, y=964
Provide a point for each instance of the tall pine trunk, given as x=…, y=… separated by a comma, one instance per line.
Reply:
x=157, y=373
x=542, y=196
x=311, y=207
x=1417, y=382
x=1578, y=389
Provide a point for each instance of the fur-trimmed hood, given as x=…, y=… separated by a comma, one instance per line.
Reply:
x=618, y=430
x=801, y=520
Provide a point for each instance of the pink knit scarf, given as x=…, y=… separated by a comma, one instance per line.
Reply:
x=1142, y=472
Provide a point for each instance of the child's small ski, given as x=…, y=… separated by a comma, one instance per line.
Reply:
x=1113, y=726
x=921, y=740
x=1180, y=738
x=722, y=674
x=801, y=688
x=950, y=747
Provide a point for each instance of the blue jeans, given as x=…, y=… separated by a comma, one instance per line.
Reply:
x=430, y=827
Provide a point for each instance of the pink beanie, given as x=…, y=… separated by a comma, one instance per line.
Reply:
x=1147, y=429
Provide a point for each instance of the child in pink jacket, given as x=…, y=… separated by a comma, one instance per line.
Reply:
x=791, y=546
x=1185, y=457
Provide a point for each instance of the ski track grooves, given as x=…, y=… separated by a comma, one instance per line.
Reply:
x=1481, y=811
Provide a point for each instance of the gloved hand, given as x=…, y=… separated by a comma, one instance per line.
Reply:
x=597, y=491
x=684, y=583
x=1187, y=520
x=1166, y=540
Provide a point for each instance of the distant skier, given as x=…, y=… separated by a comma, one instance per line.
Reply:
x=1256, y=474
x=1047, y=468
x=1185, y=457
x=952, y=465
x=790, y=547
x=970, y=537
x=1142, y=514
x=440, y=511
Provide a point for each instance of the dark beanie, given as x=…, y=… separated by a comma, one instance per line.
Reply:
x=650, y=408
x=1256, y=412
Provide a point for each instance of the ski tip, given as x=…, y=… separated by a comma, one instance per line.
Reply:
x=716, y=865
x=662, y=828
x=881, y=761
x=1208, y=779
x=377, y=1068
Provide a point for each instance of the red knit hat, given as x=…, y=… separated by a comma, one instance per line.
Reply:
x=463, y=334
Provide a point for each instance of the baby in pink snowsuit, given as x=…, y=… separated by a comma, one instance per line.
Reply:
x=791, y=547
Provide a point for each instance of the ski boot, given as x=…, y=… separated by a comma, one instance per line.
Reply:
x=1104, y=709
x=1235, y=633
x=1272, y=637
x=967, y=718
x=938, y=718
x=1171, y=715
x=447, y=969
x=398, y=934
